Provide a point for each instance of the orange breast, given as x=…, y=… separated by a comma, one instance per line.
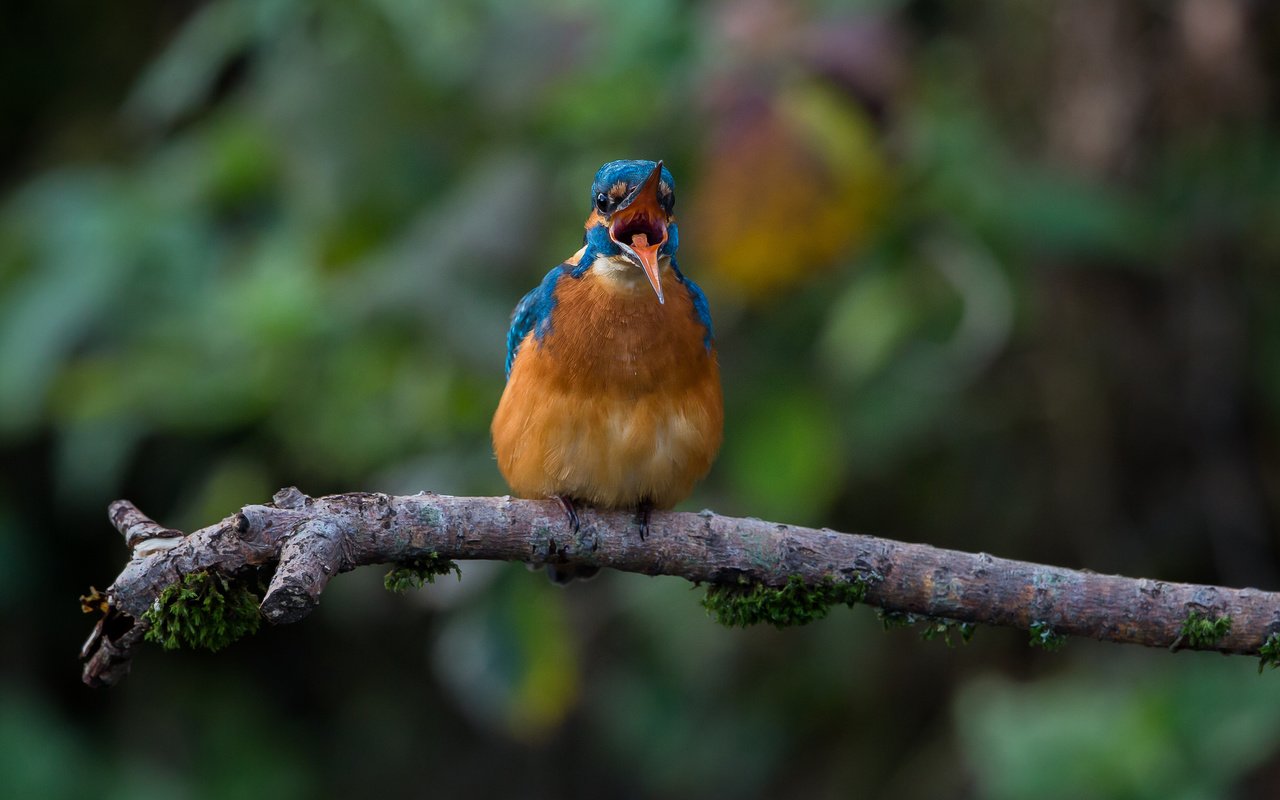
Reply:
x=618, y=404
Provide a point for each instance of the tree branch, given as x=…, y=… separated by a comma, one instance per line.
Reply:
x=311, y=540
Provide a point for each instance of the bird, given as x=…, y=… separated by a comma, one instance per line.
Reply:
x=613, y=396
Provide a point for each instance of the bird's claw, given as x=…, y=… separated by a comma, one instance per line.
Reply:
x=566, y=503
x=642, y=518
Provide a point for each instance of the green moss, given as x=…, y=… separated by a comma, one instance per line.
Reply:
x=1044, y=637
x=934, y=627
x=1269, y=653
x=418, y=572
x=1198, y=630
x=896, y=619
x=795, y=603
x=943, y=627
x=203, y=610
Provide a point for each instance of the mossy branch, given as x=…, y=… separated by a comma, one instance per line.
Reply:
x=418, y=572
x=794, y=603
x=756, y=571
x=202, y=611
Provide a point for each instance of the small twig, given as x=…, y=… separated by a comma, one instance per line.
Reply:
x=311, y=540
x=136, y=526
x=308, y=559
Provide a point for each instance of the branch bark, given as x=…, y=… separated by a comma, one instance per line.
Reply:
x=310, y=540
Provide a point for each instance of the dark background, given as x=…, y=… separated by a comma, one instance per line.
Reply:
x=995, y=276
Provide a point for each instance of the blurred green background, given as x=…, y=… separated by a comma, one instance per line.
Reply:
x=996, y=276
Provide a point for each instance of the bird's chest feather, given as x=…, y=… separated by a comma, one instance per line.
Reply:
x=613, y=337
x=619, y=401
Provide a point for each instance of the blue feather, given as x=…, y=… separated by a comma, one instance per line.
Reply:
x=533, y=313
x=673, y=241
x=598, y=244
x=700, y=305
x=631, y=172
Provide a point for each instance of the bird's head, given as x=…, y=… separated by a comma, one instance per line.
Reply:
x=631, y=217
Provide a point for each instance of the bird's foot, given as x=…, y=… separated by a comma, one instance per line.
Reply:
x=642, y=517
x=561, y=573
x=566, y=503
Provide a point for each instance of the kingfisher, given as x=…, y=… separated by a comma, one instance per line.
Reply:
x=613, y=393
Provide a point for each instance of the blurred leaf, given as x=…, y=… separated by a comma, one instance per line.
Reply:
x=879, y=313
x=75, y=225
x=230, y=484
x=915, y=328
x=783, y=457
x=92, y=457
x=817, y=187
x=36, y=749
x=511, y=659
x=964, y=173
x=674, y=744
x=1163, y=732
x=184, y=75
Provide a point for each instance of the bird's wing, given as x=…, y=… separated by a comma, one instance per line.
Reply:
x=700, y=307
x=533, y=310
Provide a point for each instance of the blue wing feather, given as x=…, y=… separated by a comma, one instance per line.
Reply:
x=700, y=305
x=533, y=313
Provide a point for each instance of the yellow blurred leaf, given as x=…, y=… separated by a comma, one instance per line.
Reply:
x=792, y=189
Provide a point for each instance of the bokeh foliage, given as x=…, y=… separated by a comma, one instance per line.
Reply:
x=997, y=276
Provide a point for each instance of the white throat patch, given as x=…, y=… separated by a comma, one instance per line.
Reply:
x=621, y=275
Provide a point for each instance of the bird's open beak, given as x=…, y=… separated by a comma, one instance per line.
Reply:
x=639, y=227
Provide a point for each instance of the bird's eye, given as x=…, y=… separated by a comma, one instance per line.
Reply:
x=602, y=203
x=668, y=202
